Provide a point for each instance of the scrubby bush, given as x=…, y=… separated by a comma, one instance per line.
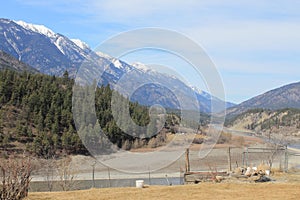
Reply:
x=15, y=179
x=224, y=138
x=198, y=140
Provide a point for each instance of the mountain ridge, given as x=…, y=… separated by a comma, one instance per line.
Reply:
x=53, y=53
x=286, y=96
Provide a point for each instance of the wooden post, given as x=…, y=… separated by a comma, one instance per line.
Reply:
x=247, y=157
x=93, y=176
x=187, y=161
x=286, y=160
x=180, y=183
x=229, y=160
x=109, y=177
x=149, y=176
x=243, y=158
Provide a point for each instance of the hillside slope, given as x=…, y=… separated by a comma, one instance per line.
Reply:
x=36, y=117
x=283, y=123
x=287, y=96
x=9, y=62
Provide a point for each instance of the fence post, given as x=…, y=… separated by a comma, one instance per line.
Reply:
x=286, y=160
x=187, y=161
x=229, y=160
x=149, y=175
x=243, y=158
x=108, y=170
x=180, y=176
x=93, y=175
x=247, y=156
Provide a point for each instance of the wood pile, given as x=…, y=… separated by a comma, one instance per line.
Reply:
x=198, y=177
x=256, y=174
x=247, y=174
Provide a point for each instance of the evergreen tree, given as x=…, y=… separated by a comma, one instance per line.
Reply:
x=38, y=110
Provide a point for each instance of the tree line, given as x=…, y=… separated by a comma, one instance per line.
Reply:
x=36, y=116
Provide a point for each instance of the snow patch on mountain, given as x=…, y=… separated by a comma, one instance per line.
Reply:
x=80, y=44
x=58, y=43
x=117, y=63
x=201, y=92
x=103, y=55
x=63, y=44
x=141, y=66
x=5, y=21
x=41, y=29
x=37, y=28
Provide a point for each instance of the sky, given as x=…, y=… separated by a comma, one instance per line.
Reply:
x=254, y=44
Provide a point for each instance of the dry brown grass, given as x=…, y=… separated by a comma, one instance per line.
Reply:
x=202, y=191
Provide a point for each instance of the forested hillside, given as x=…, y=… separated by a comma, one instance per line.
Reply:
x=283, y=122
x=36, y=116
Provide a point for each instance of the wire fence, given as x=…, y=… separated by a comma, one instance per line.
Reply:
x=293, y=161
x=219, y=160
x=230, y=158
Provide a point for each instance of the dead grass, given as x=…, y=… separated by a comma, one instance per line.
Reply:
x=202, y=191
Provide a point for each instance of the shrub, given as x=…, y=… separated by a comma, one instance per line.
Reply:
x=15, y=178
x=224, y=138
x=198, y=140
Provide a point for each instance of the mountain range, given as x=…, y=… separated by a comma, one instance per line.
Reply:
x=39, y=49
x=53, y=53
x=287, y=96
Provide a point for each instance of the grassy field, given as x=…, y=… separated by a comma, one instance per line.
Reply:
x=242, y=191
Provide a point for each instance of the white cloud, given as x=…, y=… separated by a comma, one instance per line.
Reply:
x=250, y=35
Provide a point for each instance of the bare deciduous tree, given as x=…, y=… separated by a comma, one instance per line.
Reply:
x=49, y=172
x=15, y=178
x=277, y=144
x=66, y=174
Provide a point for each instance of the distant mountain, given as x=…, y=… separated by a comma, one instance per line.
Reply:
x=208, y=100
x=287, y=96
x=53, y=53
x=9, y=62
x=170, y=91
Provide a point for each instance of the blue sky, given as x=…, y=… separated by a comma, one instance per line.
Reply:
x=255, y=44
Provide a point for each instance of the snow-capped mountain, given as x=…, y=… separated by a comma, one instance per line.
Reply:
x=53, y=53
x=40, y=47
x=37, y=28
x=175, y=85
x=61, y=42
x=176, y=90
x=80, y=43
